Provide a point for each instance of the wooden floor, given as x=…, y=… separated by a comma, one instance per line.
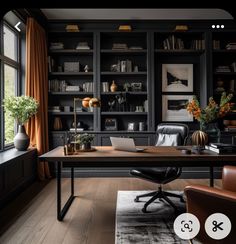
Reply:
x=31, y=218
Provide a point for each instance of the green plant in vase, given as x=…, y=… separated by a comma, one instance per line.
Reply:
x=85, y=140
x=21, y=108
x=208, y=116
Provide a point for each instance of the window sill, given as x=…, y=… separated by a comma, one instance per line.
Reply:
x=12, y=153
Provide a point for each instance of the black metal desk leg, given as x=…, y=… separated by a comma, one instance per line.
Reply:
x=211, y=176
x=61, y=212
x=72, y=181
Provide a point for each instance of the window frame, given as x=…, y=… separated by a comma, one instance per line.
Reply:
x=4, y=60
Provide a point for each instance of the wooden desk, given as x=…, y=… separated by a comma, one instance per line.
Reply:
x=151, y=157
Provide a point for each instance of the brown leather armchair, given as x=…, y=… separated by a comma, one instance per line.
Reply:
x=203, y=201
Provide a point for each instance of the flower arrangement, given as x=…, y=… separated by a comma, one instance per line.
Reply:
x=212, y=111
x=21, y=108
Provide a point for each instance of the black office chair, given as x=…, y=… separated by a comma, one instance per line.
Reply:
x=168, y=134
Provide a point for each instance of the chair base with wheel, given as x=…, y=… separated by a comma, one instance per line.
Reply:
x=160, y=194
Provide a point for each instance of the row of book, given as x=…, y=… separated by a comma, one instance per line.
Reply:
x=229, y=46
x=56, y=85
x=172, y=43
x=216, y=44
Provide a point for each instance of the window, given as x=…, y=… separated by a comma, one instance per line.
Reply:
x=10, y=65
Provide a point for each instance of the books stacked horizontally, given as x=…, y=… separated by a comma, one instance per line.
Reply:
x=54, y=109
x=72, y=88
x=221, y=148
x=82, y=46
x=56, y=45
x=231, y=128
x=119, y=46
x=231, y=46
x=223, y=68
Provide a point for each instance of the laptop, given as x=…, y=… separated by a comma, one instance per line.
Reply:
x=125, y=144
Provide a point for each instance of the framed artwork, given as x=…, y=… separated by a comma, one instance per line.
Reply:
x=174, y=108
x=177, y=77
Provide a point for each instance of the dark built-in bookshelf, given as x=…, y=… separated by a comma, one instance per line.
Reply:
x=137, y=62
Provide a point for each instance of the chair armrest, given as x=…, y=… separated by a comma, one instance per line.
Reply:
x=202, y=201
x=229, y=178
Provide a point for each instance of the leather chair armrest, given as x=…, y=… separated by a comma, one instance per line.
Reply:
x=229, y=178
x=202, y=201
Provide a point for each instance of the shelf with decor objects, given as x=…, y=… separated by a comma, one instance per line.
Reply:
x=124, y=76
x=71, y=74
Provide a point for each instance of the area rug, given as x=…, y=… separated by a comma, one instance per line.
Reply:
x=134, y=226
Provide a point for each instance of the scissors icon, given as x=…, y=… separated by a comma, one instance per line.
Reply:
x=217, y=226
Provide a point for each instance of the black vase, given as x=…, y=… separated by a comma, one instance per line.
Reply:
x=213, y=131
x=21, y=140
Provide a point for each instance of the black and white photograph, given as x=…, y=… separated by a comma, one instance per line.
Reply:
x=177, y=77
x=174, y=108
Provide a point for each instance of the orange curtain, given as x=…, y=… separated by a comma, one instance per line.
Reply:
x=37, y=86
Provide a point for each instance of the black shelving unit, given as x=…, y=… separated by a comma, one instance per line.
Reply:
x=148, y=49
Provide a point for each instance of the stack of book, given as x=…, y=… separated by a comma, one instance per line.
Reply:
x=231, y=128
x=54, y=109
x=223, y=68
x=72, y=88
x=231, y=46
x=56, y=46
x=221, y=148
x=119, y=46
x=82, y=46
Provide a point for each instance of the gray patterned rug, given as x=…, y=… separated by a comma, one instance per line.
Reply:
x=134, y=226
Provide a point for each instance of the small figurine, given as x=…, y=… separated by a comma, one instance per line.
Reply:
x=86, y=68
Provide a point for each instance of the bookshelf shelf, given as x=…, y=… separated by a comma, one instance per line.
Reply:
x=180, y=51
x=123, y=113
x=71, y=73
x=123, y=73
x=71, y=113
x=71, y=51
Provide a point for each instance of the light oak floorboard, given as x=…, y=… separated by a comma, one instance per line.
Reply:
x=90, y=219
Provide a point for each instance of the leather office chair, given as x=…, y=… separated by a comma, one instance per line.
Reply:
x=168, y=134
x=202, y=201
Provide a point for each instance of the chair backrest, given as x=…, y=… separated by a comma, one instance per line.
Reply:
x=171, y=134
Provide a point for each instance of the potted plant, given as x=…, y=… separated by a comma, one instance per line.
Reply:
x=85, y=140
x=208, y=117
x=21, y=109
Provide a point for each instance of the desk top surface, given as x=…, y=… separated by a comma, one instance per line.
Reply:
x=151, y=153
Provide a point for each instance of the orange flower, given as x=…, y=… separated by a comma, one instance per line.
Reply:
x=212, y=111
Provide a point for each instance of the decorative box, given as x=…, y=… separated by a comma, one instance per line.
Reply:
x=71, y=67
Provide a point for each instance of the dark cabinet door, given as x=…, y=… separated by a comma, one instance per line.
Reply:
x=57, y=139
